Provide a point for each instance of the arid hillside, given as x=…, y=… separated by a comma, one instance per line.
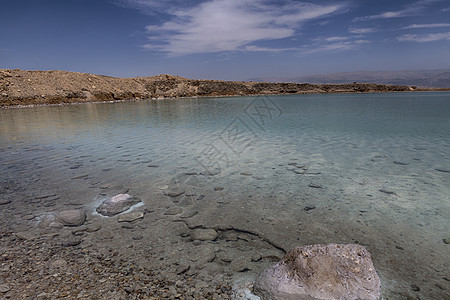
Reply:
x=18, y=87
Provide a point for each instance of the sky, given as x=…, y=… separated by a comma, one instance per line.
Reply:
x=224, y=39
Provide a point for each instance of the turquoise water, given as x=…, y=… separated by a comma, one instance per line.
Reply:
x=295, y=170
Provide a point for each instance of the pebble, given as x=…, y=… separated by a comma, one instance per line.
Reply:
x=72, y=217
x=4, y=201
x=204, y=234
x=182, y=268
x=189, y=214
x=127, y=226
x=26, y=236
x=79, y=231
x=218, y=188
x=201, y=285
x=315, y=186
x=400, y=163
x=301, y=172
x=415, y=288
x=71, y=241
x=105, y=186
x=59, y=263
x=131, y=216
x=246, y=173
x=94, y=228
x=174, y=194
x=137, y=237
x=387, y=192
x=308, y=208
x=175, y=210
x=256, y=257
x=4, y=288
x=29, y=217
x=446, y=241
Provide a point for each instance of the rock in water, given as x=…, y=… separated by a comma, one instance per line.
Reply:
x=4, y=201
x=72, y=217
x=117, y=204
x=131, y=216
x=204, y=234
x=332, y=271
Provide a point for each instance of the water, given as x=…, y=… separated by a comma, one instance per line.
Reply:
x=267, y=173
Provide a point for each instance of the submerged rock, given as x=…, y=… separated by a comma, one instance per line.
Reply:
x=117, y=204
x=332, y=271
x=70, y=240
x=4, y=201
x=131, y=216
x=72, y=217
x=204, y=234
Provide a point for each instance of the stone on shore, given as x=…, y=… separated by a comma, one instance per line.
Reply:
x=332, y=271
x=117, y=204
x=72, y=217
x=131, y=216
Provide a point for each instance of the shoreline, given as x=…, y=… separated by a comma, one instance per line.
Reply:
x=20, y=88
x=203, y=97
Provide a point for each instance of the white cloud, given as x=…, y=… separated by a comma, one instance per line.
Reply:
x=361, y=30
x=427, y=25
x=410, y=10
x=422, y=38
x=252, y=48
x=332, y=47
x=333, y=44
x=224, y=25
x=336, y=38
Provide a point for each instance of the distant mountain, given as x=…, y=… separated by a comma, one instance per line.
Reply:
x=420, y=78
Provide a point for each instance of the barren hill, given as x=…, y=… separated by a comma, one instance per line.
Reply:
x=18, y=87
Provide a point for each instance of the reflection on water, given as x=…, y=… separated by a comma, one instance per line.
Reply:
x=280, y=171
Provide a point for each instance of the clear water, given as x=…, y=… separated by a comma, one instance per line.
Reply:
x=295, y=170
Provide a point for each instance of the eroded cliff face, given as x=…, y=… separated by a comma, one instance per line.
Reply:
x=18, y=87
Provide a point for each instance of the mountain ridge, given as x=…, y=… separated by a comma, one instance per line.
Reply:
x=422, y=78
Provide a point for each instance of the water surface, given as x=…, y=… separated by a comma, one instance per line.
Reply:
x=268, y=173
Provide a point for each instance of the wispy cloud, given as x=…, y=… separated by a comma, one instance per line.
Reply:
x=153, y=7
x=223, y=25
x=333, y=45
x=410, y=10
x=422, y=38
x=361, y=30
x=427, y=25
x=336, y=38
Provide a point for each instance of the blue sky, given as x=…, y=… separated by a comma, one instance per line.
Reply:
x=224, y=39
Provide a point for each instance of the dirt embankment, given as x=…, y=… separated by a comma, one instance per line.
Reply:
x=18, y=87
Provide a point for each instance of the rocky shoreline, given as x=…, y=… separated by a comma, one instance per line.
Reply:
x=21, y=88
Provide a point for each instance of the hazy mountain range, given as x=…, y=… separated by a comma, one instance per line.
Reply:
x=420, y=78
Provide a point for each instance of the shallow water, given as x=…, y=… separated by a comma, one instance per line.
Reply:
x=372, y=169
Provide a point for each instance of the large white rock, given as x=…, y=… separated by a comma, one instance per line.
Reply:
x=117, y=204
x=332, y=271
x=72, y=217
